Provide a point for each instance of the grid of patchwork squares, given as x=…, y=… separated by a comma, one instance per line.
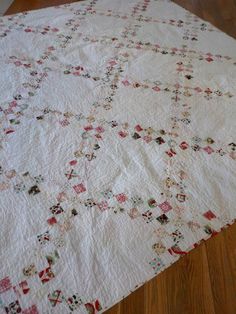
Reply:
x=117, y=149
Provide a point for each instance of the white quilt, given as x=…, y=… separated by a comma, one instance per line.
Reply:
x=117, y=149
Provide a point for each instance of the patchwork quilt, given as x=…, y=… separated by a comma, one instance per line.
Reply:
x=117, y=149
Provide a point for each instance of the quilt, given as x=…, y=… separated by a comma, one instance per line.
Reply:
x=117, y=149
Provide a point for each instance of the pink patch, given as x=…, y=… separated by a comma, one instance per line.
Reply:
x=134, y=213
x=123, y=134
x=165, y=206
x=126, y=83
x=147, y=138
x=121, y=198
x=13, y=103
x=125, y=54
x=17, y=63
x=100, y=129
x=232, y=155
x=5, y=284
x=31, y=310
x=4, y=186
x=113, y=62
x=198, y=89
x=61, y=197
x=156, y=88
x=79, y=188
x=103, y=205
x=208, y=150
x=64, y=122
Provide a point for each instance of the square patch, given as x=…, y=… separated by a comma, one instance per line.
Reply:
x=46, y=275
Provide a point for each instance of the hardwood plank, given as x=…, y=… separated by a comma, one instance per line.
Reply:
x=221, y=253
x=21, y=5
x=135, y=303
x=115, y=309
x=221, y=13
x=183, y=288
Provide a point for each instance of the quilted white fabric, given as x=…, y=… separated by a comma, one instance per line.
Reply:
x=117, y=123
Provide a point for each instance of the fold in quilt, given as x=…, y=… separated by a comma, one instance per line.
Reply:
x=117, y=150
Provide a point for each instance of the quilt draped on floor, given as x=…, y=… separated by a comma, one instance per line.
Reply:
x=117, y=152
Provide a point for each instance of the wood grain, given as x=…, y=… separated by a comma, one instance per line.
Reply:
x=221, y=13
x=22, y=5
x=204, y=281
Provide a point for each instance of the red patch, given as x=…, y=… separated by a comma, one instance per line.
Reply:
x=46, y=275
x=183, y=145
x=123, y=134
x=51, y=221
x=21, y=288
x=209, y=59
x=138, y=128
x=88, y=128
x=73, y=162
x=171, y=153
x=8, y=131
x=176, y=250
x=92, y=308
x=209, y=215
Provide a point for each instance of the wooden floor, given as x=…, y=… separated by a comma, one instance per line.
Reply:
x=203, y=282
